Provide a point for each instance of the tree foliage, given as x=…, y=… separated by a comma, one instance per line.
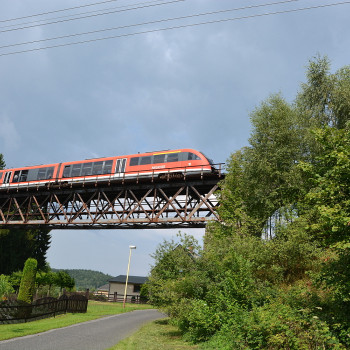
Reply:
x=87, y=278
x=17, y=245
x=5, y=287
x=324, y=99
x=274, y=273
x=2, y=162
x=63, y=280
x=327, y=200
x=27, y=286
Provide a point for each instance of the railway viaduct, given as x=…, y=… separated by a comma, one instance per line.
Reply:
x=140, y=203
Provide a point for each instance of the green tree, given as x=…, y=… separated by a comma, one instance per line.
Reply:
x=87, y=278
x=291, y=185
x=327, y=201
x=174, y=260
x=63, y=280
x=2, y=162
x=324, y=100
x=262, y=180
x=17, y=245
x=26, y=289
x=48, y=279
x=15, y=279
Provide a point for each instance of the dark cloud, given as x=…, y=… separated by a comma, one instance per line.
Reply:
x=191, y=87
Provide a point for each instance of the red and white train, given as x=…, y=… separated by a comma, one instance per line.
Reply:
x=150, y=164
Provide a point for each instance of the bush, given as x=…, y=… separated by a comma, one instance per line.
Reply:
x=26, y=289
x=98, y=297
x=5, y=286
x=274, y=326
x=197, y=320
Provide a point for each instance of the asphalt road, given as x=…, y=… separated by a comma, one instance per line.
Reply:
x=92, y=335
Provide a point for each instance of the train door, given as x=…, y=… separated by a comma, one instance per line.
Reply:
x=120, y=167
x=7, y=177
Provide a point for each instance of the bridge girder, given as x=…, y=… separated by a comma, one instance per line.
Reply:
x=179, y=203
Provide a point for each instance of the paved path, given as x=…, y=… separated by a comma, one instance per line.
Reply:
x=92, y=335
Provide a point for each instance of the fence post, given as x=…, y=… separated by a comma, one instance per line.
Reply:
x=87, y=293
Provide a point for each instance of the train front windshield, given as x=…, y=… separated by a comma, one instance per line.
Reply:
x=208, y=159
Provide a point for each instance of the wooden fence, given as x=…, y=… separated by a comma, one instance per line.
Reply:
x=119, y=298
x=18, y=312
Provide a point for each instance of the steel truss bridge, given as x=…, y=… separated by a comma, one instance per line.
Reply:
x=180, y=202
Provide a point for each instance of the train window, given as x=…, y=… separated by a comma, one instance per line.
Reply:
x=49, y=172
x=32, y=174
x=7, y=177
x=76, y=170
x=146, y=160
x=66, y=171
x=192, y=156
x=120, y=168
x=208, y=159
x=45, y=173
x=173, y=157
x=0, y=176
x=134, y=161
x=97, y=168
x=108, y=167
x=16, y=176
x=87, y=169
x=159, y=158
x=42, y=174
x=23, y=176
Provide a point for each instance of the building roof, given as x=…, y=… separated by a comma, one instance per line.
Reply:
x=132, y=279
x=105, y=287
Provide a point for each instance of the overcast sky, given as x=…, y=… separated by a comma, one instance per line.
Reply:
x=188, y=87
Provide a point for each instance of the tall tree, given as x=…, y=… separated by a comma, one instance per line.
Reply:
x=2, y=162
x=324, y=100
x=263, y=178
x=17, y=245
x=327, y=200
x=264, y=183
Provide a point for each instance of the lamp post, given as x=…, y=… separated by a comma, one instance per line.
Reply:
x=127, y=274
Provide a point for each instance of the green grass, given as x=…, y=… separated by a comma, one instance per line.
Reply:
x=95, y=310
x=157, y=335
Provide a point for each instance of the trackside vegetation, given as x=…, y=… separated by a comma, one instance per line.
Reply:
x=274, y=273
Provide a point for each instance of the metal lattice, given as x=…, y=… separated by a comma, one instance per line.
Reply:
x=167, y=204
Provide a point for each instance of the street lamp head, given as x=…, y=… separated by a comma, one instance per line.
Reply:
x=132, y=246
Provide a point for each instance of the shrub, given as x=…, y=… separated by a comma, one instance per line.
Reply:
x=98, y=297
x=26, y=288
x=197, y=320
x=275, y=326
x=5, y=286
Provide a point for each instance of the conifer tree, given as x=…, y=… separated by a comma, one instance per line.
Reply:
x=27, y=286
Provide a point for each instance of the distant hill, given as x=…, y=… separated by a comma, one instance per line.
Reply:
x=87, y=278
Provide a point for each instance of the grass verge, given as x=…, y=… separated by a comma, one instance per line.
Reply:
x=157, y=335
x=95, y=310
